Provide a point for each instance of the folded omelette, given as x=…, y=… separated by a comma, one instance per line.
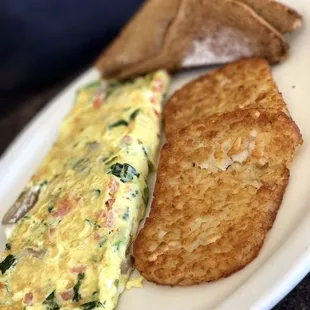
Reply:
x=74, y=223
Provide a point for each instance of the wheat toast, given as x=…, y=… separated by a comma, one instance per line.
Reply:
x=200, y=33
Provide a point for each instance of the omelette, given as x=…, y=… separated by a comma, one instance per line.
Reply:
x=73, y=225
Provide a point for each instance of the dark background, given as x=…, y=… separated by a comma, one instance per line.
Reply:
x=44, y=45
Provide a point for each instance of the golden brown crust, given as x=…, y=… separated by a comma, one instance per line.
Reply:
x=243, y=84
x=220, y=183
x=280, y=16
x=200, y=33
x=126, y=49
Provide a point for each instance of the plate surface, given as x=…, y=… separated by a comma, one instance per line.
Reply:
x=285, y=257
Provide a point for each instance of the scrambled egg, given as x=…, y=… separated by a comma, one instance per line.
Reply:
x=135, y=283
x=80, y=212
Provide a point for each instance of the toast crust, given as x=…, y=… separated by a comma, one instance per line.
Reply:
x=280, y=16
x=212, y=205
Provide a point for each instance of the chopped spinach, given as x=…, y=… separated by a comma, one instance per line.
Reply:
x=134, y=114
x=126, y=214
x=125, y=172
x=77, y=297
x=145, y=152
x=92, y=305
x=117, y=244
x=51, y=302
x=8, y=247
x=7, y=263
x=116, y=282
x=91, y=85
x=118, y=123
x=94, y=293
x=92, y=223
x=43, y=183
x=97, y=191
x=50, y=209
x=102, y=242
x=135, y=194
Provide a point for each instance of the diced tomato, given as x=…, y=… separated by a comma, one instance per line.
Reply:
x=156, y=113
x=1, y=286
x=113, y=186
x=110, y=220
x=101, y=214
x=97, y=102
x=96, y=236
x=158, y=85
x=28, y=299
x=78, y=269
x=153, y=99
x=110, y=202
x=52, y=231
x=63, y=208
x=67, y=295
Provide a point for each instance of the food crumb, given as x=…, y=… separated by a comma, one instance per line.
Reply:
x=135, y=283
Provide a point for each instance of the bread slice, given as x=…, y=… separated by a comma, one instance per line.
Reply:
x=280, y=16
x=141, y=38
x=219, y=186
x=243, y=84
x=190, y=34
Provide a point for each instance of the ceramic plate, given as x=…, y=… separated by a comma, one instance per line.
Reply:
x=285, y=257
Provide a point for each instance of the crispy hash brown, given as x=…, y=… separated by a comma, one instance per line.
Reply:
x=239, y=85
x=219, y=186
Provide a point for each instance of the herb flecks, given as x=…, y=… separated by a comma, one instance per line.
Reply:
x=7, y=263
x=117, y=244
x=92, y=223
x=92, y=305
x=97, y=192
x=126, y=214
x=118, y=123
x=51, y=302
x=125, y=172
x=8, y=246
x=134, y=114
x=77, y=296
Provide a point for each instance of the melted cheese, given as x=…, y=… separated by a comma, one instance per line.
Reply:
x=70, y=250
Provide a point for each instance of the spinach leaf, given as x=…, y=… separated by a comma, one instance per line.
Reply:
x=7, y=263
x=92, y=223
x=91, y=85
x=126, y=214
x=111, y=88
x=117, y=244
x=145, y=152
x=8, y=247
x=77, y=297
x=119, y=123
x=102, y=242
x=97, y=191
x=51, y=302
x=125, y=172
x=134, y=114
x=92, y=305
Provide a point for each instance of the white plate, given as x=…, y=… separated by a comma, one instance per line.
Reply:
x=285, y=257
